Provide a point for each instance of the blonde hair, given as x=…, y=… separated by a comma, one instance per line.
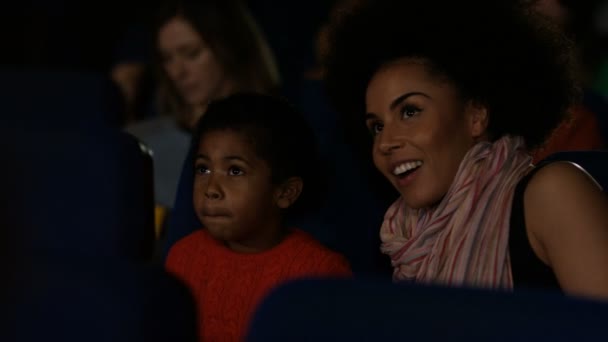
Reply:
x=235, y=39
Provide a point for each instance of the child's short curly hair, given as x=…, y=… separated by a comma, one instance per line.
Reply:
x=280, y=135
x=496, y=52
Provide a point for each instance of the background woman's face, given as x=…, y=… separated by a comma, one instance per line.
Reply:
x=421, y=127
x=552, y=9
x=190, y=63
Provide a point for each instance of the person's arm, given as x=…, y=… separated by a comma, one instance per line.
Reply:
x=567, y=222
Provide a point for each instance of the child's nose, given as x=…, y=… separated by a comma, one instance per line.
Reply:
x=213, y=190
x=212, y=194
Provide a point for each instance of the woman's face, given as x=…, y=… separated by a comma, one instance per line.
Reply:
x=190, y=63
x=422, y=129
x=552, y=9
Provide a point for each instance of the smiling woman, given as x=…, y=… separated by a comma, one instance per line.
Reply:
x=455, y=94
x=407, y=106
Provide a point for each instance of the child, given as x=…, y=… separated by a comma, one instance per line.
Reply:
x=255, y=164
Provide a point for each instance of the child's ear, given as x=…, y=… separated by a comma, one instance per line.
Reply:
x=288, y=192
x=479, y=118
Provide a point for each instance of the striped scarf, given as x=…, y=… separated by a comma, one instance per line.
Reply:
x=464, y=239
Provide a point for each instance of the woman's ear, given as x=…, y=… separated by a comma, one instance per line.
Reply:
x=288, y=192
x=478, y=119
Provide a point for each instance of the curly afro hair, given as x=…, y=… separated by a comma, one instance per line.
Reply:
x=279, y=134
x=497, y=52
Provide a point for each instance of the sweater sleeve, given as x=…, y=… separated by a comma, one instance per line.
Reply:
x=180, y=257
x=172, y=264
x=334, y=265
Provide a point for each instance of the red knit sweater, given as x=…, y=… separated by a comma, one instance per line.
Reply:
x=228, y=285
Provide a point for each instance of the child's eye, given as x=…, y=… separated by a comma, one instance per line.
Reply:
x=375, y=127
x=408, y=111
x=201, y=169
x=235, y=171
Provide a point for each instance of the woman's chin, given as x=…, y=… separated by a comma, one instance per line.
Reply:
x=419, y=201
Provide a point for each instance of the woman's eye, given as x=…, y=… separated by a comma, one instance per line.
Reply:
x=409, y=111
x=166, y=59
x=235, y=171
x=375, y=128
x=192, y=54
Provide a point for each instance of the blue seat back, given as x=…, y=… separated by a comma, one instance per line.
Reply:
x=78, y=213
x=369, y=310
x=67, y=97
x=85, y=192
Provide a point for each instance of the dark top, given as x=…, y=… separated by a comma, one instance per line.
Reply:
x=527, y=269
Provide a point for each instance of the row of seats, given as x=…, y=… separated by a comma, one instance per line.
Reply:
x=373, y=310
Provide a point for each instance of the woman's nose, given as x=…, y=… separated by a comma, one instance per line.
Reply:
x=389, y=141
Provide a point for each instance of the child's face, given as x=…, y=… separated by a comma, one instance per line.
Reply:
x=233, y=194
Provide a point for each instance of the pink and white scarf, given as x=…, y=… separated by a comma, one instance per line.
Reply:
x=464, y=239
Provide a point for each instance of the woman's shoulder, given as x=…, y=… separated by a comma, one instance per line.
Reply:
x=547, y=187
x=160, y=131
x=566, y=214
x=150, y=126
x=570, y=175
x=560, y=188
x=559, y=181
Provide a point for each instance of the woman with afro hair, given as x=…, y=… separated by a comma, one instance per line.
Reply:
x=451, y=97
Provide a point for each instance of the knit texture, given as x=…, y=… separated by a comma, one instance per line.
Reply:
x=228, y=286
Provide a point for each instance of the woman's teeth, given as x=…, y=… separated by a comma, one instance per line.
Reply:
x=405, y=167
